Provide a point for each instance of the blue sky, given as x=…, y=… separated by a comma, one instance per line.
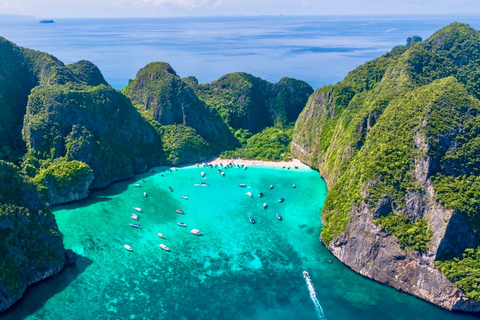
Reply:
x=165, y=8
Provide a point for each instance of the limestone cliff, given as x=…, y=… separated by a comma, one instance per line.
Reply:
x=398, y=142
x=31, y=247
x=161, y=94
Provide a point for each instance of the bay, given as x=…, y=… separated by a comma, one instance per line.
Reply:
x=236, y=270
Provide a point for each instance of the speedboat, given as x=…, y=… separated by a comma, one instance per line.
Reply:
x=242, y=185
x=145, y=194
x=137, y=185
x=203, y=184
x=260, y=195
x=249, y=194
x=135, y=225
x=265, y=206
x=128, y=247
x=179, y=211
x=281, y=199
x=305, y=274
x=170, y=188
x=196, y=232
x=294, y=186
x=161, y=235
x=181, y=224
x=184, y=197
x=164, y=247
x=135, y=216
x=251, y=219
x=137, y=209
x=279, y=216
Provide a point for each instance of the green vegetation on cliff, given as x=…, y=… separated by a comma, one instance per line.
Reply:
x=247, y=102
x=31, y=246
x=464, y=271
x=161, y=95
x=270, y=144
x=392, y=128
x=95, y=125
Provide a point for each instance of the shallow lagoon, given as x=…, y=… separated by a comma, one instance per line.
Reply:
x=237, y=270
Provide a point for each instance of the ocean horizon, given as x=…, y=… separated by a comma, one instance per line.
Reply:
x=320, y=50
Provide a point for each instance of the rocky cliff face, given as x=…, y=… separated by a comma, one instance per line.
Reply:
x=31, y=247
x=162, y=95
x=95, y=125
x=248, y=102
x=397, y=145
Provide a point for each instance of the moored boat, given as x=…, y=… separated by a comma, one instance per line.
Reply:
x=135, y=216
x=128, y=247
x=181, y=224
x=137, y=185
x=196, y=232
x=249, y=194
x=184, y=197
x=179, y=211
x=279, y=216
x=281, y=199
x=135, y=225
x=294, y=186
x=242, y=185
x=223, y=174
x=164, y=247
x=251, y=219
x=170, y=188
x=161, y=235
x=265, y=206
x=145, y=194
x=137, y=209
x=202, y=174
x=271, y=186
x=260, y=194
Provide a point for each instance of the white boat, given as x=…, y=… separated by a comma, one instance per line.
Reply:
x=164, y=247
x=181, y=224
x=184, y=197
x=137, y=185
x=294, y=186
x=202, y=174
x=242, y=185
x=223, y=174
x=245, y=168
x=145, y=194
x=196, y=232
x=161, y=235
x=137, y=209
x=265, y=206
x=128, y=247
x=249, y=194
x=271, y=186
x=135, y=216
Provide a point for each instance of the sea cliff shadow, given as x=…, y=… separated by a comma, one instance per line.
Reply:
x=38, y=294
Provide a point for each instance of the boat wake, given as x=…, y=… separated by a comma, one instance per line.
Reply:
x=313, y=296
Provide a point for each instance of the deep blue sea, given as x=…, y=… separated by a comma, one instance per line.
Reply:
x=318, y=50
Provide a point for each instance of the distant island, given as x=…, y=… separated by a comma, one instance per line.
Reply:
x=47, y=21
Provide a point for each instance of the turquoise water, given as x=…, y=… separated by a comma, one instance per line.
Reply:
x=237, y=270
